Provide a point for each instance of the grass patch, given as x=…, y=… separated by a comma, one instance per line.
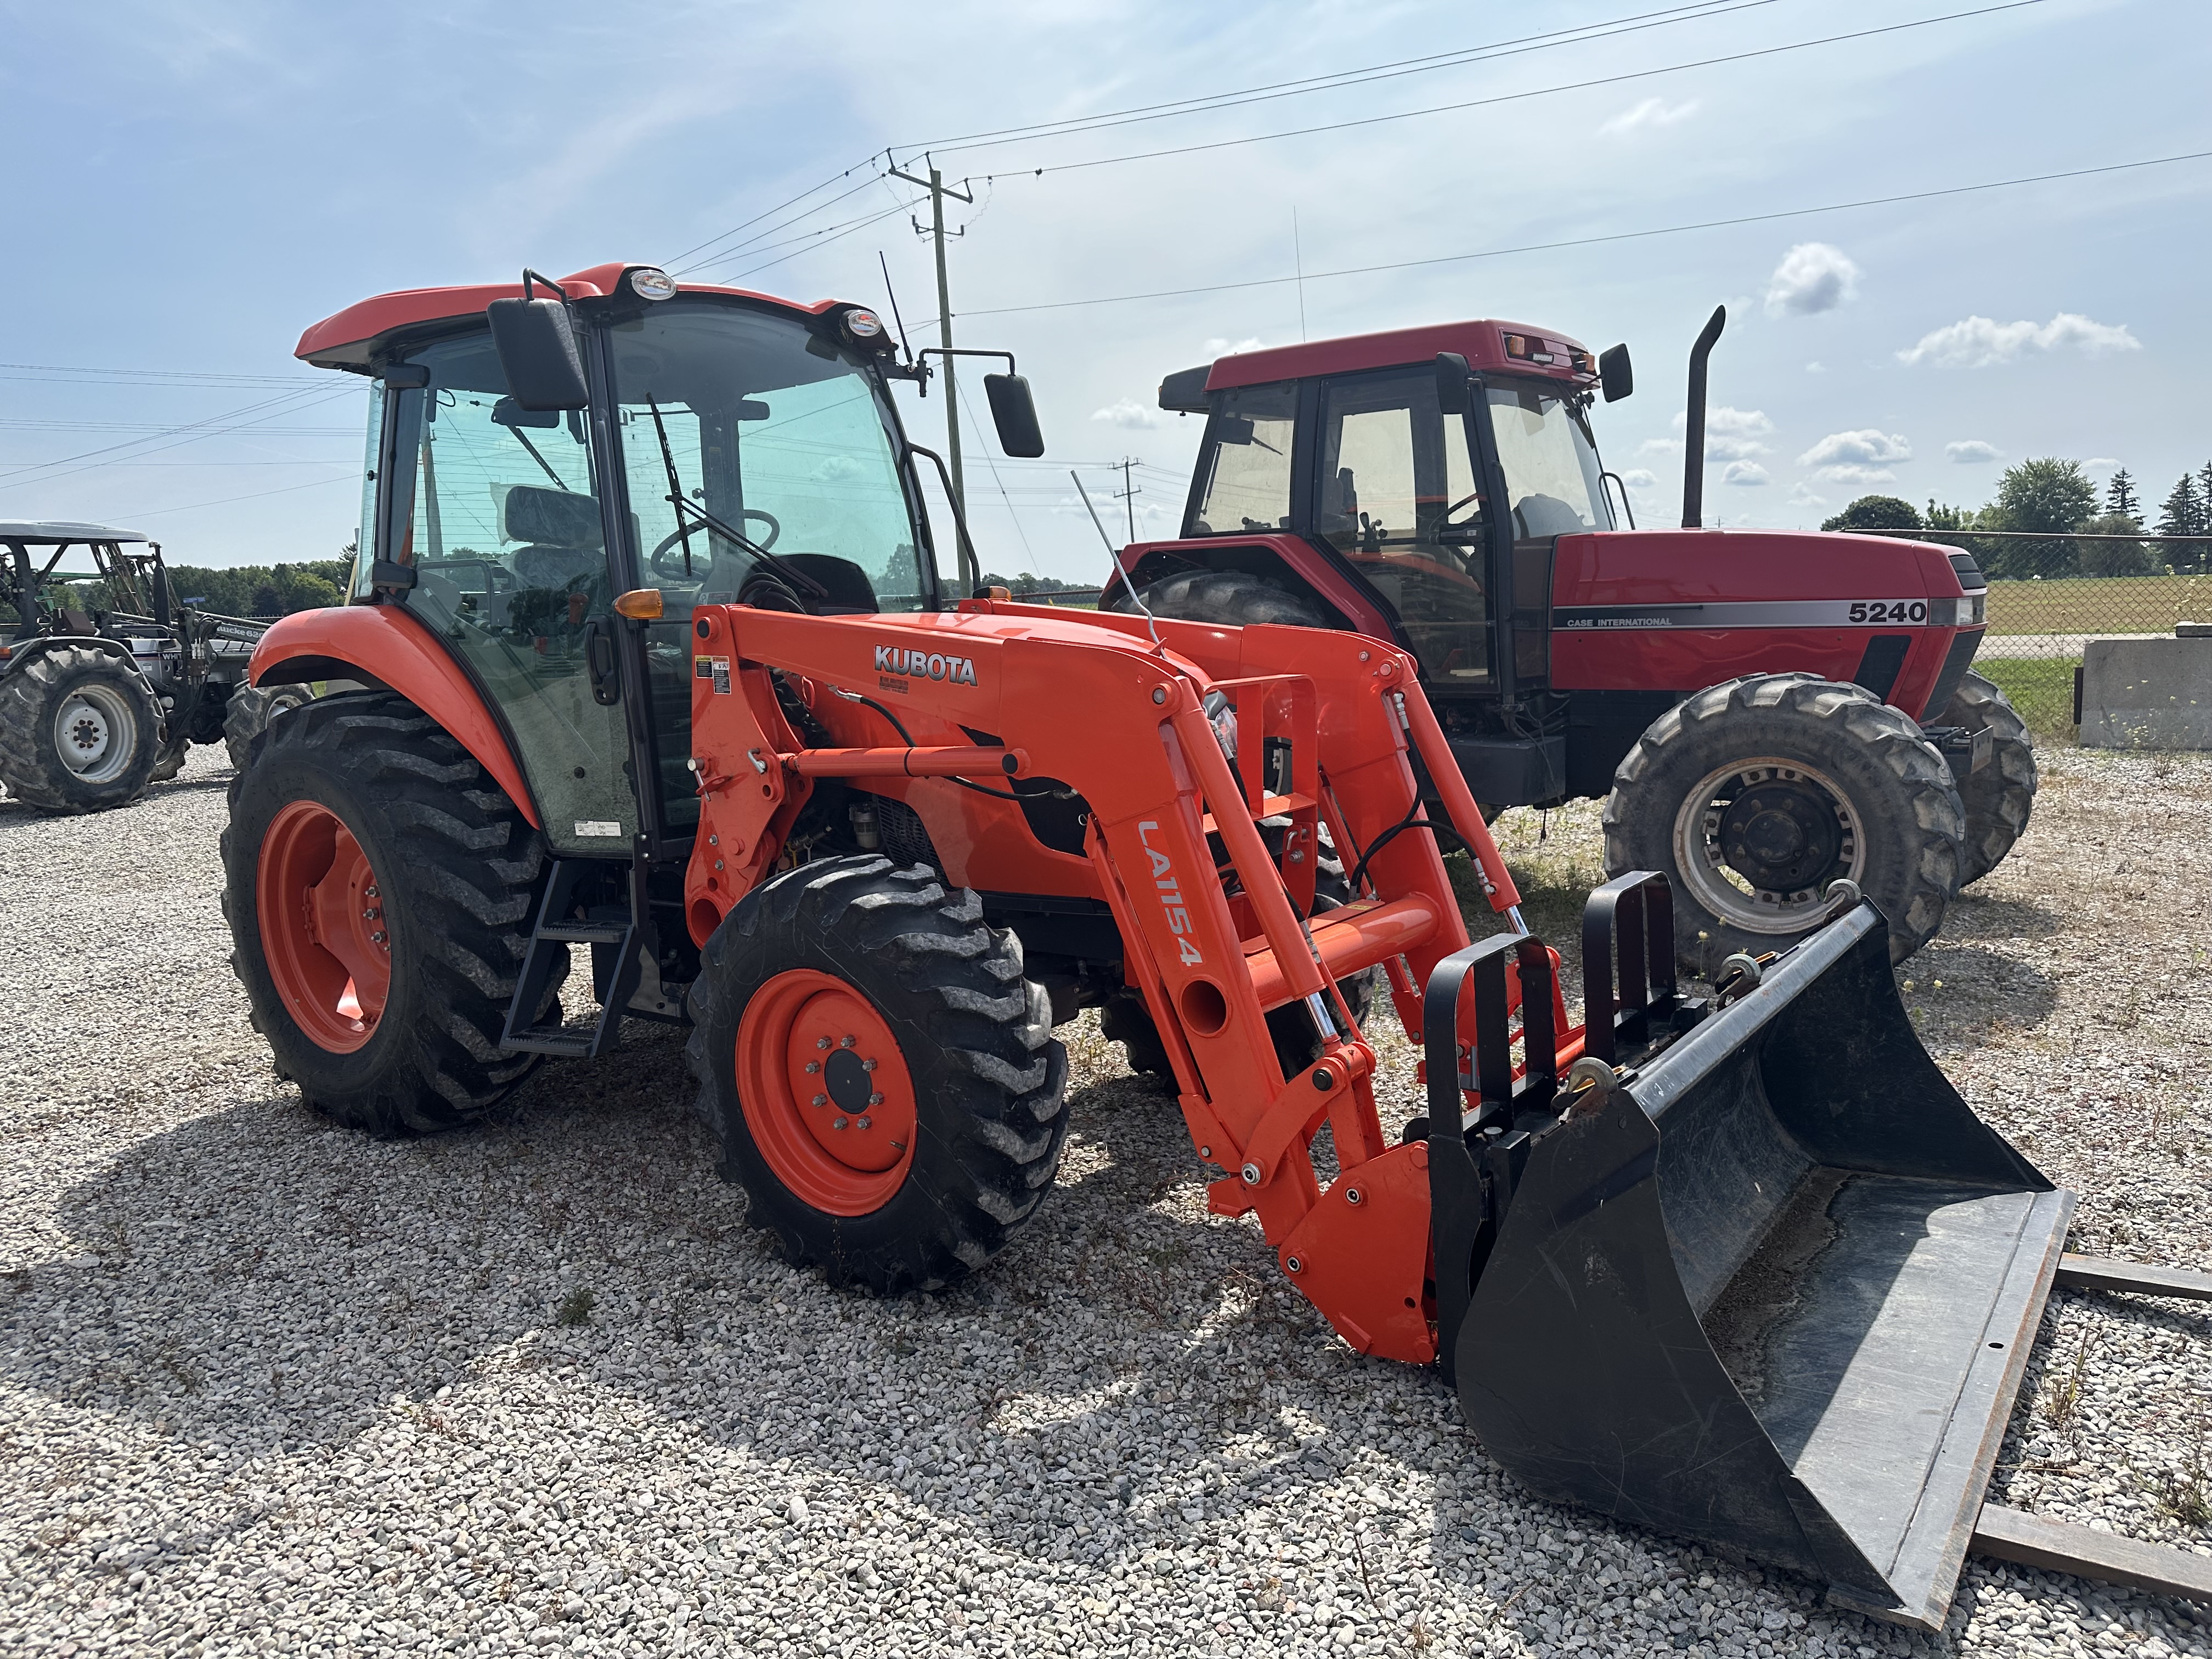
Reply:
x=576, y=1307
x=2099, y=605
x=2039, y=688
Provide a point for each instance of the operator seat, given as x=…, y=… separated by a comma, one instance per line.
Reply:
x=565, y=538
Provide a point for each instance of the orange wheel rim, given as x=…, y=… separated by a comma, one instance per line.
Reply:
x=323, y=928
x=825, y=1092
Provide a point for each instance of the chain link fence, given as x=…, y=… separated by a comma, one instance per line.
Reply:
x=2038, y=626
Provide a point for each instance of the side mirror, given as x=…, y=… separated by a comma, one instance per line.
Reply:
x=537, y=353
x=1014, y=413
x=1232, y=430
x=1452, y=376
x=1615, y=375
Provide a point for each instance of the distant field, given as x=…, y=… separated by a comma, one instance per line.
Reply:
x=2040, y=689
x=2099, y=605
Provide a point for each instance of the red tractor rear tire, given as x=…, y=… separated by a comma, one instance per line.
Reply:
x=1755, y=794
x=1999, y=797
x=884, y=1079
x=380, y=887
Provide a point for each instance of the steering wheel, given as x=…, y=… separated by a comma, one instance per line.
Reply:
x=674, y=570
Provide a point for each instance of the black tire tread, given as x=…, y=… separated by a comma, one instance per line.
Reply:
x=1232, y=597
x=37, y=777
x=249, y=711
x=2000, y=798
x=1852, y=719
x=468, y=850
x=999, y=1101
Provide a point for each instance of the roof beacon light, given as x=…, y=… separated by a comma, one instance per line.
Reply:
x=650, y=282
x=1516, y=345
x=864, y=326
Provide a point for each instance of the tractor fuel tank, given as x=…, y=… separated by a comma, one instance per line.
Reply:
x=1776, y=1292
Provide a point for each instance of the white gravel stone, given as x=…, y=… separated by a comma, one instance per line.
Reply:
x=268, y=1388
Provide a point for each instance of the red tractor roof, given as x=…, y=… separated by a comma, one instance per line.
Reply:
x=1500, y=347
x=349, y=339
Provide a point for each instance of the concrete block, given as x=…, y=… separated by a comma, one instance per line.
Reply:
x=2147, y=693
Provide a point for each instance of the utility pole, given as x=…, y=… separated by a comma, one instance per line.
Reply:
x=1127, y=493
x=938, y=190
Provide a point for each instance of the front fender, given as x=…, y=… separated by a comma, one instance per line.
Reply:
x=384, y=646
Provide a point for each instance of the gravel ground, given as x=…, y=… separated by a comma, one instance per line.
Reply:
x=267, y=1388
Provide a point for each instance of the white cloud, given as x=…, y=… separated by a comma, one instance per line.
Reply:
x=1816, y=368
x=1972, y=451
x=1978, y=342
x=1864, y=457
x=1652, y=112
x=1747, y=473
x=2102, y=460
x=1803, y=495
x=1842, y=453
x=1221, y=346
x=1731, y=435
x=1128, y=413
x=1813, y=278
x=1638, y=477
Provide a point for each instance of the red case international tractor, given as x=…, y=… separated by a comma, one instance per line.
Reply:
x=659, y=663
x=1764, y=712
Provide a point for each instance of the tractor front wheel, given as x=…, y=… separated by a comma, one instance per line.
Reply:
x=884, y=1079
x=1753, y=796
x=249, y=711
x=378, y=887
x=79, y=731
x=1999, y=797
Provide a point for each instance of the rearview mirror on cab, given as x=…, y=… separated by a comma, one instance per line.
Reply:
x=1013, y=411
x=1615, y=375
x=1452, y=376
x=536, y=346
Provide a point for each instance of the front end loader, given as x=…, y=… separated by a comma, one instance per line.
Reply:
x=1745, y=1270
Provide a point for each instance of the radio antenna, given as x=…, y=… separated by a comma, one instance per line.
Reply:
x=893, y=296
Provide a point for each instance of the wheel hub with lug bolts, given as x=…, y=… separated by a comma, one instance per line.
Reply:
x=849, y=1099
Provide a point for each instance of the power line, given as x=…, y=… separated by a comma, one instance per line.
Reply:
x=1538, y=92
x=287, y=403
x=1592, y=241
x=55, y=374
x=1459, y=58
x=193, y=507
x=778, y=208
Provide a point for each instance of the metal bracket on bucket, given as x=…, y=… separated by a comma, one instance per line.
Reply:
x=1630, y=918
x=1471, y=1181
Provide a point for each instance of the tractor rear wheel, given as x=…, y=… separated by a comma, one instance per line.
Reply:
x=1753, y=795
x=379, y=887
x=884, y=1079
x=1999, y=797
x=79, y=731
x=250, y=710
x=1235, y=598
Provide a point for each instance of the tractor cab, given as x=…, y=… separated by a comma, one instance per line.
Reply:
x=618, y=434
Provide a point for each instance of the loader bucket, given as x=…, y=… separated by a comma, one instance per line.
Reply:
x=1774, y=1291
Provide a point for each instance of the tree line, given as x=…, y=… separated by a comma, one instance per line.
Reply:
x=2052, y=496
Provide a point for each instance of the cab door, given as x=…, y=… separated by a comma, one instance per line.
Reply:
x=494, y=509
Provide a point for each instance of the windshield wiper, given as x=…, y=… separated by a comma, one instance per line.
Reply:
x=684, y=504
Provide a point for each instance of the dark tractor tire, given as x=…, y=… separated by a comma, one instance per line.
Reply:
x=169, y=760
x=79, y=731
x=379, y=889
x=1753, y=795
x=883, y=1079
x=1124, y=1018
x=1235, y=599
x=1999, y=797
x=249, y=711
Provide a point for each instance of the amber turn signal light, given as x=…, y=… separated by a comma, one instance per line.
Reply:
x=640, y=604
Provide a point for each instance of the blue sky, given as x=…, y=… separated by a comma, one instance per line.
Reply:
x=191, y=185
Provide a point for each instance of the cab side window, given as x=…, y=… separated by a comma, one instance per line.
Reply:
x=1246, y=464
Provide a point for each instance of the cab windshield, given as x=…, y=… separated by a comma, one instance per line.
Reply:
x=779, y=443
x=1552, y=478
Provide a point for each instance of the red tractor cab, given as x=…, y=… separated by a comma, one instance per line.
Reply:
x=1765, y=711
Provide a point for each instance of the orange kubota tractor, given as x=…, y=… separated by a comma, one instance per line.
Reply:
x=659, y=662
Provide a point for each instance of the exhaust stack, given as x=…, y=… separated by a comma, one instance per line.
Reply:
x=1694, y=433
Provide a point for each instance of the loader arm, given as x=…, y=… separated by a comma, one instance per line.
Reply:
x=1214, y=915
